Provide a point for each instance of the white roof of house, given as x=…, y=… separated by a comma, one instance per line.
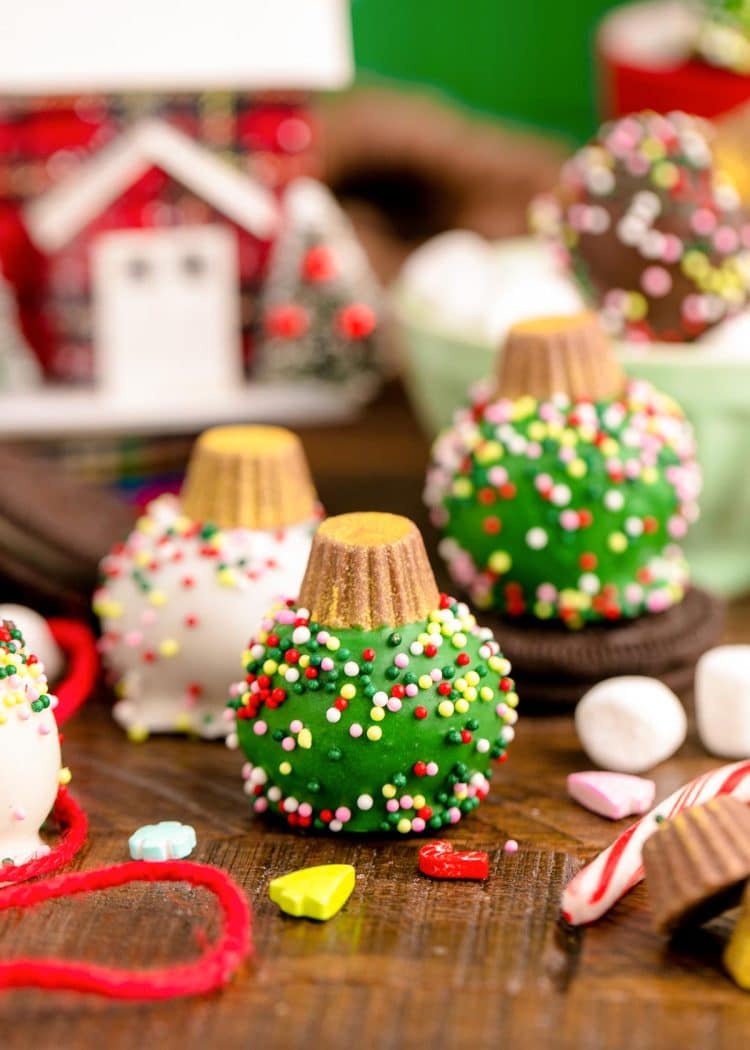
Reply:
x=72, y=46
x=63, y=211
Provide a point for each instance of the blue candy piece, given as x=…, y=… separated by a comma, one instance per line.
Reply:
x=169, y=840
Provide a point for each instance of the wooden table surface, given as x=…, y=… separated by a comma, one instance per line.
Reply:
x=408, y=962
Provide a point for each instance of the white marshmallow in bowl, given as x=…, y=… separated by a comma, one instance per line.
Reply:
x=452, y=275
x=722, y=700
x=37, y=636
x=631, y=723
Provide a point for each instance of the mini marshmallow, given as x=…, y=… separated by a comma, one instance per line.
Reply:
x=722, y=700
x=630, y=724
x=37, y=636
x=612, y=795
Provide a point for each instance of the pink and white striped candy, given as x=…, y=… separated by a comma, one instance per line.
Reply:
x=598, y=886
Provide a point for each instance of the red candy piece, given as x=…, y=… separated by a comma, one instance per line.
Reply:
x=440, y=861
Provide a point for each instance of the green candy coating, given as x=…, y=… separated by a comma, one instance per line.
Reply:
x=304, y=762
x=568, y=510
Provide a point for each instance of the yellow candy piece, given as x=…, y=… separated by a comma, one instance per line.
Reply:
x=737, y=951
x=313, y=893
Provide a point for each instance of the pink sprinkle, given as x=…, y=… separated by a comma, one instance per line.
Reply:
x=260, y=805
x=148, y=616
x=392, y=805
x=19, y=813
x=326, y=664
x=259, y=728
x=304, y=809
x=569, y=520
x=432, y=768
x=412, y=689
x=407, y=802
x=511, y=846
x=435, y=674
x=656, y=281
x=394, y=704
x=343, y=814
x=44, y=729
x=246, y=771
x=295, y=726
x=703, y=221
x=726, y=240
x=288, y=743
x=401, y=660
x=418, y=824
x=322, y=637
x=355, y=730
x=497, y=475
x=455, y=814
x=133, y=638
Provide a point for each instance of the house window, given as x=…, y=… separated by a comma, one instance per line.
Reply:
x=138, y=268
x=193, y=265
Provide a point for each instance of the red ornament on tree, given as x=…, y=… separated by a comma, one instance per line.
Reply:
x=356, y=321
x=319, y=265
x=287, y=321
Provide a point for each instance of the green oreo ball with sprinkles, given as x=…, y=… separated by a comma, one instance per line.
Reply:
x=374, y=703
x=564, y=494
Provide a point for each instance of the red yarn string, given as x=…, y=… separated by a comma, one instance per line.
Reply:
x=212, y=970
x=217, y=963
x=79, y=646
x=74, y=826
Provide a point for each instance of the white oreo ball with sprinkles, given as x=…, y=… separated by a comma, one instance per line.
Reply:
x=193, y=581
x=30, y=769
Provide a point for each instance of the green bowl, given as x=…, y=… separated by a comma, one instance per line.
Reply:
x=711, y=384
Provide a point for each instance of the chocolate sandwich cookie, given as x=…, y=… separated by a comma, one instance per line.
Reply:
x=698, y=863
x=53, y=531
x=554, y=665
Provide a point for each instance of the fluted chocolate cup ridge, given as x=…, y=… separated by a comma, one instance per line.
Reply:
x=368, y=570
x=252, y=477
x=559, y=355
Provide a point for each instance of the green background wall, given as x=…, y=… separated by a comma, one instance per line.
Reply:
x=530, y=60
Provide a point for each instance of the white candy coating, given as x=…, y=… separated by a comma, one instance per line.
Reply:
x=631, y=723
x=37, y=636
x=174, y=617
x=722, y=700
x=29, y=760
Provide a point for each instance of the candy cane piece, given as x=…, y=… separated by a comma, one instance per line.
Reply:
x=598, y=886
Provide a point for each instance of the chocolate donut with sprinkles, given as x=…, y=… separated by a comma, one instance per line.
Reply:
x=374, y=703
x=565, y=494
x=652, y=232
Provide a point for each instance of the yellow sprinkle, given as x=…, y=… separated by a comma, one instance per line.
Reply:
x=470, y=693
x=404, y=826
x=389, y=790
x=65, y=776
x=462, y=488
x=285, y=768
x=333, y=644
x=458, y=640
x=488, y=451
x=543, y=610
x=226, y=577
x=537, y=430
x=157, y=598
x=141, y=558
x=304, y=739
x=418, y=801
x=485, y=693
x=511, y=699
x=577, y=468
x=183, y=723
x=169, y=647
x=499, y=562
x=650, y=475
x=144, y=524
x=617, y=542
x=304, y=661
x=374, y=733
x=445, y=708
x=377, y=714
x=472, y=677
x=138, y=733
x=270, y=667
x=461, y=706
